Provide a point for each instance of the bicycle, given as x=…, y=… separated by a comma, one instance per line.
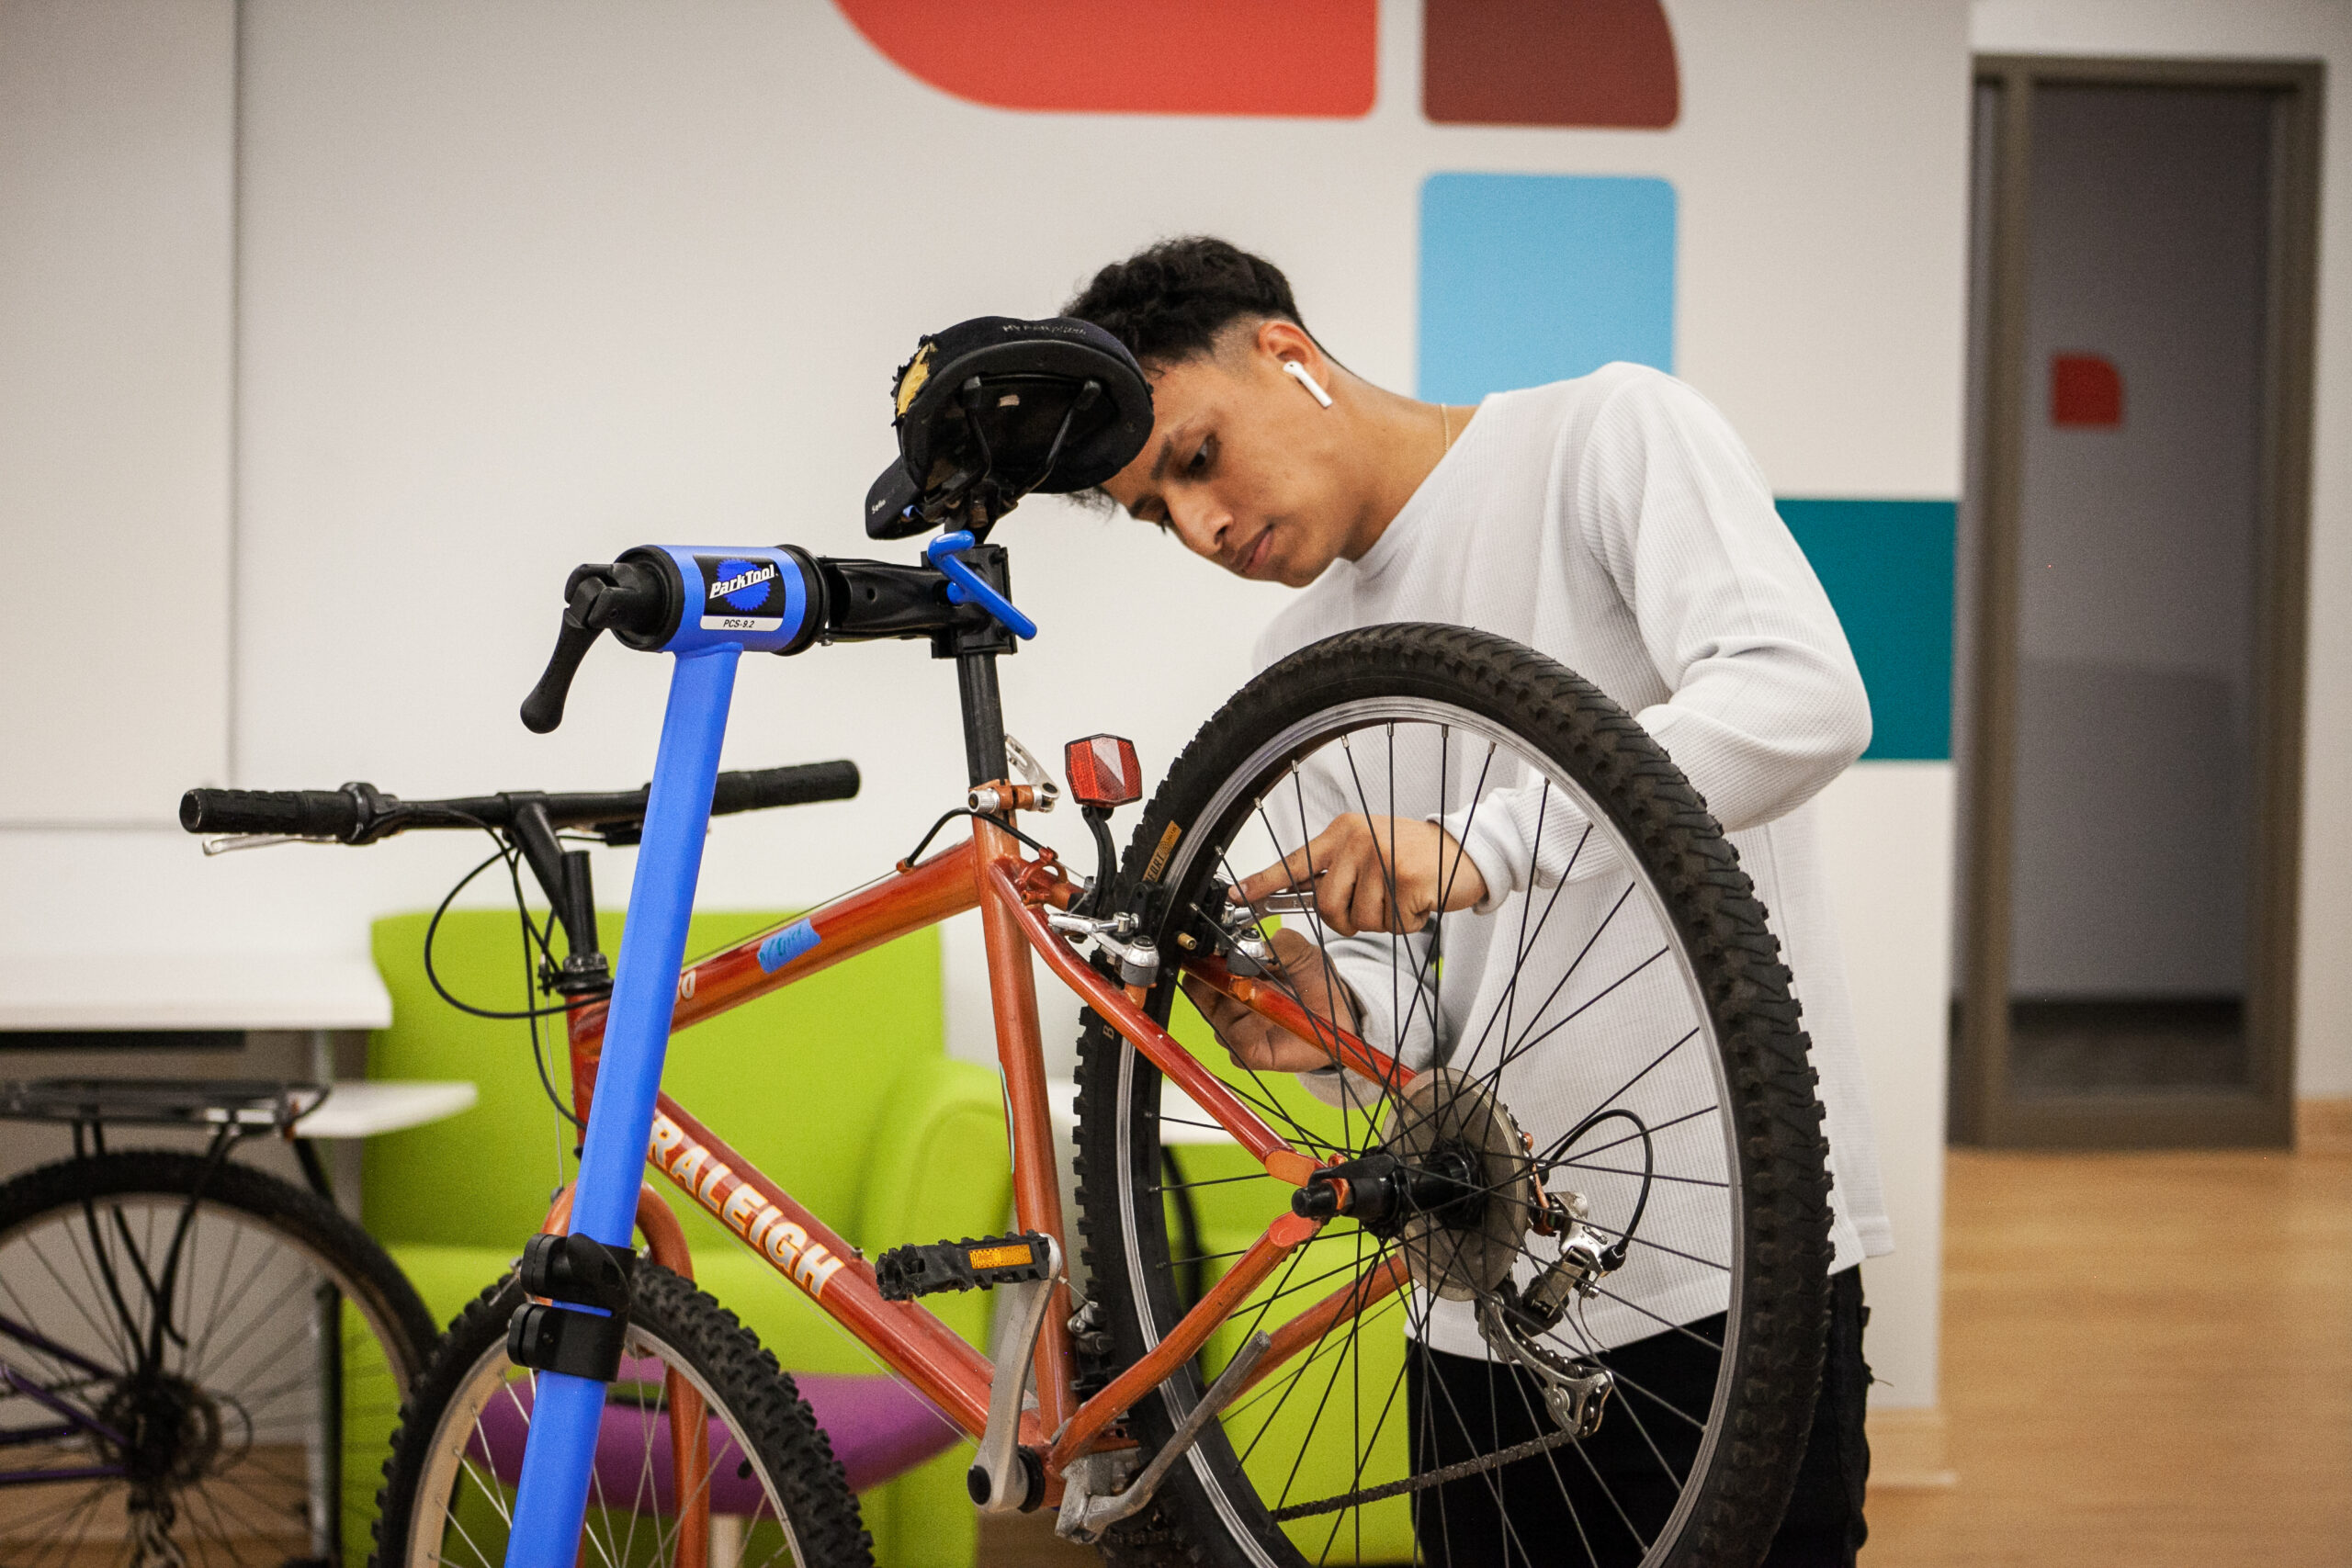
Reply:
x=1629, y=1000
x=149, y=1412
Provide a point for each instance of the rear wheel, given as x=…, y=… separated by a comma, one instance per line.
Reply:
x=217, y=1356
x=775, y=1493
x=1606, y=1190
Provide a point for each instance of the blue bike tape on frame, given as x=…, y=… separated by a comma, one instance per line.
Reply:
x=757, y=597
x=788, y=945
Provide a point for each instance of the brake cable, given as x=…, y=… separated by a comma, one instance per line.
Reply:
x=1556, y=1156
x=532, y=934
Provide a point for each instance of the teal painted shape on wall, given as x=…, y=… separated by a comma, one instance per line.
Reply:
x=1532, y=279
x=1887, y=566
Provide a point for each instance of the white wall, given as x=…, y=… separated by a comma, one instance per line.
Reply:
x=1886, y=834
x=2299, y=30
x=118, y=122
x=523, y=284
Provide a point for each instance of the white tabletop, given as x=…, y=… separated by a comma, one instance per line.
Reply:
x=230, y=990
x=356, y=1110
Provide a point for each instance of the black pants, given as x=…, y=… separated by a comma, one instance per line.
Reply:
x=1596, y=1501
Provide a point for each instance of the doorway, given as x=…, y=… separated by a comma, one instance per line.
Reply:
x=2128, y=717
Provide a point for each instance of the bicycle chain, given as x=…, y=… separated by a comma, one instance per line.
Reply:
x=1455, y=1471
x=151, y=1534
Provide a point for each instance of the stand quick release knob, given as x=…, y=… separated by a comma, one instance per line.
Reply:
x=763, y=599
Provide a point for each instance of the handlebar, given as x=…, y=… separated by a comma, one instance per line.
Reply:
x=361, y=814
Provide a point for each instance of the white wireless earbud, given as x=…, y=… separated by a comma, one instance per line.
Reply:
x=1298, y=372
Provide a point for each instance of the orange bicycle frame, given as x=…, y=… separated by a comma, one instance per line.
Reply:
x=1011, y=889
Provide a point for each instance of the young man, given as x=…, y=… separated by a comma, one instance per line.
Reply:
x=1613, y=522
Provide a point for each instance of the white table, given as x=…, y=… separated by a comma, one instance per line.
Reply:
x=313, y=993
x=354, y=1109
x=192, y=991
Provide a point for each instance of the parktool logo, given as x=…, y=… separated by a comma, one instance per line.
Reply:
x=745, y=585
x=745, y=595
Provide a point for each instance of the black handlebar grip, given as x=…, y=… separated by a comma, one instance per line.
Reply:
x=300, y=813
x=795, y=785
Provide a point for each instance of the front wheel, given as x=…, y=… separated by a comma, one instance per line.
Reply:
x=771, y=1490
x=1583, y=1323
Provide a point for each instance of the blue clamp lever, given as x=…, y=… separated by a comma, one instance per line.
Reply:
x=965, y=585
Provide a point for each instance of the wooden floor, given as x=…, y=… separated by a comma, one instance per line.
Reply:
x=2147, y=1361
x=2147, y=1364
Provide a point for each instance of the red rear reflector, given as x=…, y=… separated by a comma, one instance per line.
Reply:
x=1102, y=770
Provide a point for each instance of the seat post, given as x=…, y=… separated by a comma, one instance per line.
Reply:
x=983, y=715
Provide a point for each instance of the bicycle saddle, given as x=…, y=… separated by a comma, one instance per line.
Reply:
x=993, y=408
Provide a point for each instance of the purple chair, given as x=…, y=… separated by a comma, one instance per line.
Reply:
x=879, y=1428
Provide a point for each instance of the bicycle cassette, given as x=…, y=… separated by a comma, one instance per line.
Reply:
x=1448, y=1123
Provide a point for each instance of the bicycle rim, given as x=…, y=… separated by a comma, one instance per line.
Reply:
x=1373, y=1442
x=233, y=1452
x=465, y=1495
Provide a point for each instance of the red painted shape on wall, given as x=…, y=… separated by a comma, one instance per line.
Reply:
x=1592, y=63
x=1314, y=57
x=2086, y=390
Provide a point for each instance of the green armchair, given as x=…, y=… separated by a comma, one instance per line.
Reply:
x=838, y=1087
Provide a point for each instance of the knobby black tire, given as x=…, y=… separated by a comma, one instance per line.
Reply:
x=1783, y=1309
x=746, y=1385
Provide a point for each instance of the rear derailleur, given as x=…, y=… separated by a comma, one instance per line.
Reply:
x=1517, y=1324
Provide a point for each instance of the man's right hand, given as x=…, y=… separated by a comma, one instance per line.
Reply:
x=1255, y=1041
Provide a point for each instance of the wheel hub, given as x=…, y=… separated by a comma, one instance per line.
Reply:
x=1450, y=1180
x=171, y=1430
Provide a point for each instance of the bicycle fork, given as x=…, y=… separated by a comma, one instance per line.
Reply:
x=583, y=1325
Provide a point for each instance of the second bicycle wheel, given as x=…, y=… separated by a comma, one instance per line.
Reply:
x=206, y=1363
x=1577, y=1316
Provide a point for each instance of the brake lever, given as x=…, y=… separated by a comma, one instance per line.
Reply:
x=227, y=843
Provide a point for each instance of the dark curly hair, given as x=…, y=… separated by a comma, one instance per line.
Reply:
x=1169, y=301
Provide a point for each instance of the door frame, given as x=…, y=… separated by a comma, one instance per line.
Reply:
x=1986, y=1106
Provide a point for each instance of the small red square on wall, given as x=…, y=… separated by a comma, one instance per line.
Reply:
x=2086, y=390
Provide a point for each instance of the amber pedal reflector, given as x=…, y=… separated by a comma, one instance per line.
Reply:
x=1009, y=1256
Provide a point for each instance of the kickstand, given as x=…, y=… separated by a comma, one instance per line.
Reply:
x=1086, y=1515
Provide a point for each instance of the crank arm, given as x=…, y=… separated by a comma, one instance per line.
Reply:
x=1003, y=1481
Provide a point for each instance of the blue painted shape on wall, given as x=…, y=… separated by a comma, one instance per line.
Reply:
x=1530, y=278
x=1887, y=566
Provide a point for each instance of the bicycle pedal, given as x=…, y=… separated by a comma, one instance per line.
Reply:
x=905, y=1272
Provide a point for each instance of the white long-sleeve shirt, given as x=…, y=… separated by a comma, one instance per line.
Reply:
x=1616, y=523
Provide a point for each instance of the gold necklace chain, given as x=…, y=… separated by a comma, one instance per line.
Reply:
x=1445, y=418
